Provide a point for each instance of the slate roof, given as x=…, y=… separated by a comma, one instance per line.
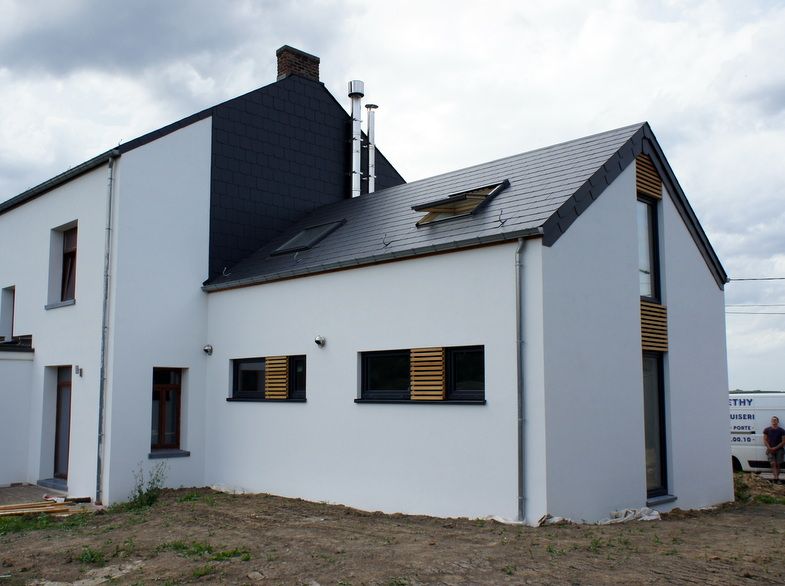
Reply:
x=549, y=188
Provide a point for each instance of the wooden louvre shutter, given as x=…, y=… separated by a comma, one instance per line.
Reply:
x=427, y=374
x=276, y=377
x=654, y=327
x=647, y=180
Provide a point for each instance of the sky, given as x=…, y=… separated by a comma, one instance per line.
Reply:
x=457, y=83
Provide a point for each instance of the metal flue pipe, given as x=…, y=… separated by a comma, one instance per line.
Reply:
x=371, y=147
x=356, y=93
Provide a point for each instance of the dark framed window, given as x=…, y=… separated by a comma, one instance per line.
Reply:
x=648, y=253
x=62, y=422
x=68, y=280
x=248, y=376
x=654, y=425
x=297, y=377
x=465, y=373
x=385, y=375
x=167, y=393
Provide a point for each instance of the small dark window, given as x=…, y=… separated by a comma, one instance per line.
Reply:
x=648, y=276
x=68, y=283
x=308, y=237
x=248, y=378
x=165, y=430
x=466, y=373
x=297, y=377
x=385, y=375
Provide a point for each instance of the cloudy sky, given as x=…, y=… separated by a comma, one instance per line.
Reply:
x=458, y=83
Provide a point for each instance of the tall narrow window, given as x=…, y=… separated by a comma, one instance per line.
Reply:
x=647, y=249
x=7, y=302
x=165, y=431
x=68, y=284
x=654, y=424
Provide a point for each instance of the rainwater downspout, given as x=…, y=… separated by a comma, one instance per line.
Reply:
x=521, y=395
x=99, y=478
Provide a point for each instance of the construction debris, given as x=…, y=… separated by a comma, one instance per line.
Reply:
x=60, y=507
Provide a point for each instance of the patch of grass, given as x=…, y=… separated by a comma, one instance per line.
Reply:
x=595, y=545
x=193, y=496
x=741, y=489
x=398, y=581
x=271, y=556
x=510, y=569
x=194, y=549
x=228, y=554
x=91, y=556
x=147, y=489
x=554, y=551
x=204, y=570
x=23, y=523
x=766, y=499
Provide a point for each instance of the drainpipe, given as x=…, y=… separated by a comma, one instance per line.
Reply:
x=99, y=477
x=519, y=363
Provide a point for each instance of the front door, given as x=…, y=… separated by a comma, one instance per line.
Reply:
x=62, y=422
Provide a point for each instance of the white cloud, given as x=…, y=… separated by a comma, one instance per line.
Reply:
x=458, y=84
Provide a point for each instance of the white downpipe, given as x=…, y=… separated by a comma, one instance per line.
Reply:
x=99, y=477
x=356, y=93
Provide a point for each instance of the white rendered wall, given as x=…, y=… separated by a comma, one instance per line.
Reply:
x=593, y=368
x=697, y=372
x=413, y=458
x=16, y=371
x=63, y=336
x=159, y=311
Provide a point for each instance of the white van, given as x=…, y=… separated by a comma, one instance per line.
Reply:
x=750, y=414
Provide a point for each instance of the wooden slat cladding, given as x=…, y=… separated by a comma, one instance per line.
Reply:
x=648, y=182
x=427, y=374
x=276, y=377
x=654, y=327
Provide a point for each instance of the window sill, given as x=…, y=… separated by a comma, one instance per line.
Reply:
x=160, y=454
x=411, y=402
x=60, y=304
x=660, y=500
x=262, y=400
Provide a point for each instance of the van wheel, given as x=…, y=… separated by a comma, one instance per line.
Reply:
x=736, y=464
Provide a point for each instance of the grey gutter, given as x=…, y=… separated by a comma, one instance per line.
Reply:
x=520, y=386
x=373, y=259
x=99, y=476
x=50, y=184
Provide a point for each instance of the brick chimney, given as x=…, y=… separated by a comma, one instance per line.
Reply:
x=292, y=61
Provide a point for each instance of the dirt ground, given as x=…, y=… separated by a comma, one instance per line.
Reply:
x=201, y=536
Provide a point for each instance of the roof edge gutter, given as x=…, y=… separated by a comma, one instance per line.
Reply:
x=371, y=260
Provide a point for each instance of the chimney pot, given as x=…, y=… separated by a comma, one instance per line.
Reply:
x=292, y=61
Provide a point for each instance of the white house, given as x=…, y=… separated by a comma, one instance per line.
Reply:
x=539, y=334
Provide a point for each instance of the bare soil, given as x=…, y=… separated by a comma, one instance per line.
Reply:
x=201, y=536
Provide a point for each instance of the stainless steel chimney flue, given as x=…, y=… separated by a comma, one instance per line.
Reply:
x=371, y=147
x=356, y=93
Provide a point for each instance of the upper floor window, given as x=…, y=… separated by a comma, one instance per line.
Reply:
x=648, y=255
x=68, y=279
x=62, y=266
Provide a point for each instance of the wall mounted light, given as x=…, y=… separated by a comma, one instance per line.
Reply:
x=78, y=371
x=208, y=349
x=320, y=341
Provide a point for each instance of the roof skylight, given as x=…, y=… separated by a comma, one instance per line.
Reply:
x=459, y=204
x=309, y=237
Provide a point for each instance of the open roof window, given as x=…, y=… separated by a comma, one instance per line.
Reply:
x=309, y=237
x=464, y=203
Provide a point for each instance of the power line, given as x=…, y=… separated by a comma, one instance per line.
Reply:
x=755, y=305
x=755, y=312
x=760, y=279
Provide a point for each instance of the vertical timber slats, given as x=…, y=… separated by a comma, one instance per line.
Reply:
x=427, y=374
x=654, y=327
x=276, y=377
x=647, y=180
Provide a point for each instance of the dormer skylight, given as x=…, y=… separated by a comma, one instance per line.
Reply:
x=457, y=205
x=308, y=237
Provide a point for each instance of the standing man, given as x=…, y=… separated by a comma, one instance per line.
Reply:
x=774, y=438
